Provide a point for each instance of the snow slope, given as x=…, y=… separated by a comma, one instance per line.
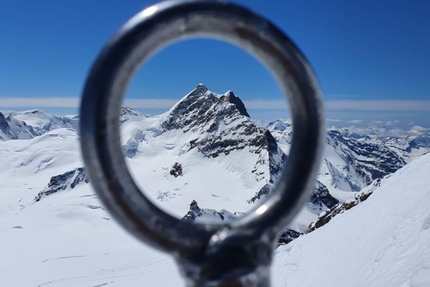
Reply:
x=69, y=240
x=384, y=241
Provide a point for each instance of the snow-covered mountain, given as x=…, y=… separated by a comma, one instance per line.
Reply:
x=12, y=128
x=203, y=160
x=29, y=124
x=227, y=162
x=225, y=159
x=355, y=157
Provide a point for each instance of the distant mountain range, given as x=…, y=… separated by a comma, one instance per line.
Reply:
x=227, y=161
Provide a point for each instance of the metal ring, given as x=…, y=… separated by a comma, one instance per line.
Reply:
x=143, y=35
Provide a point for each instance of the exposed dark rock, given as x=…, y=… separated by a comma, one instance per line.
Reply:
x=224, y=216
x=288, y=236
x=176, y=170
x=339, y=208
x=321, y=199
x=216, y=118
x=193, y=213
x=238, y=103
x=265, y=190
x=64, y=181
x=209, y=214
x=4, y=126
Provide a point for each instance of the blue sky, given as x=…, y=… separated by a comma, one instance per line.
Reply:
x=372, y=58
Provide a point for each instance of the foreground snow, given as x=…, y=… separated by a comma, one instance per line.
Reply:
x=381, y=242
x=69, y=240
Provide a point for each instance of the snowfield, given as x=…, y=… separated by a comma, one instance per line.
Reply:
x=384, y=241
x=68, y=239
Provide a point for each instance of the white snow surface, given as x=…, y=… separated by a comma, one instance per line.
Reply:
x=384, y=241
x=68, y=239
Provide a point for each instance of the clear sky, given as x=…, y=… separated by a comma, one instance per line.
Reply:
x=372, y=58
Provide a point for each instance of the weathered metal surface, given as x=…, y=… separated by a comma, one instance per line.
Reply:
x=240, y=252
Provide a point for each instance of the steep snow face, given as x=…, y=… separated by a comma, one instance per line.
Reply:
x=283, y=132
x=381, y=242
x=12, y=128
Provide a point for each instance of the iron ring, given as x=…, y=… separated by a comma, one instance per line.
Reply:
x=143, y=35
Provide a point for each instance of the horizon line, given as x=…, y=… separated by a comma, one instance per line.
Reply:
x=258, y=104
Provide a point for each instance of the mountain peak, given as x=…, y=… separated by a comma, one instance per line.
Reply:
x=201, y=86
x=232, y=98
x=203, y=108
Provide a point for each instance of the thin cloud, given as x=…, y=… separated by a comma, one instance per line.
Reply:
x=355, y=121
x=380, y=105
x=55, y=102
x=338, y=105
x=73, y=102
x=266, y=104
x=150, y=103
